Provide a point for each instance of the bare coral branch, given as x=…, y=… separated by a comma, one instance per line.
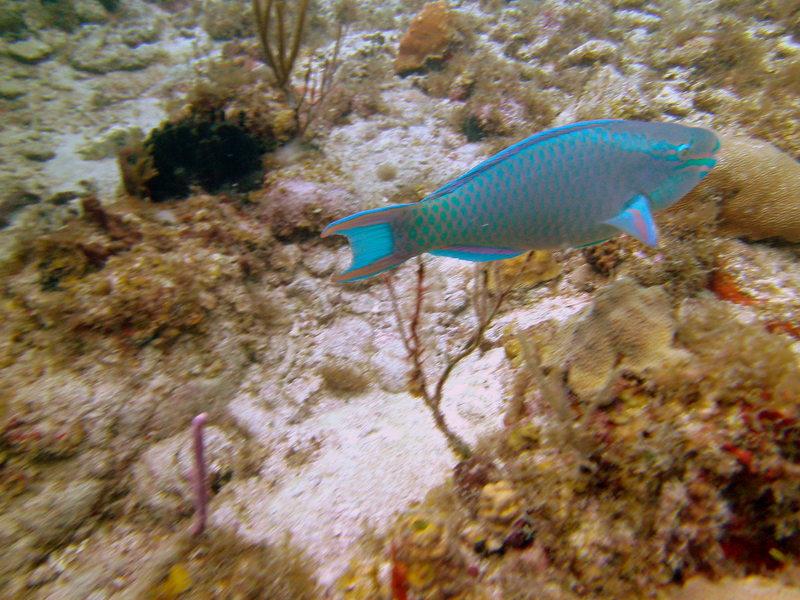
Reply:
x=316, y=86
x=486, y=309
x=280, y=40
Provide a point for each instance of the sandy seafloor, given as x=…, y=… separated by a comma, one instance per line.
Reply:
x=94, y=460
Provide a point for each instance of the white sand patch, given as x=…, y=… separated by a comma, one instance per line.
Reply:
x=379, y=453
x=368, y=456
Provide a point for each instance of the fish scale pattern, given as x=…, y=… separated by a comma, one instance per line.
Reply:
x=544, y=190
x=558, y=192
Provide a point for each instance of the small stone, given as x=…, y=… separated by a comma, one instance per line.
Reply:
x=787, y=47
x=673, y=102
x=627, y=3
x=285, y=257
x=343, y=352
x=339, y=376
x=29, y=51
x=119, y=57
x=636, y=18
x=90, y=11
x=714, y=100
x=38, y=151
x=225, y=20
x=296, y=206
x=110, y=144
x=609, y=94
x=696, y=50
x=14, y=200
x=386, y=172
x=167, y=217
x=9, y=89
x=593, y=51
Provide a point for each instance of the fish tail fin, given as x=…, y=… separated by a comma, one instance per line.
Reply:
x=372, y=239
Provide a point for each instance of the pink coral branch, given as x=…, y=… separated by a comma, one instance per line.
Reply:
x=199, y=474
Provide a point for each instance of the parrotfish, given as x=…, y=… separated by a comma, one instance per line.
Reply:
x=572, y=186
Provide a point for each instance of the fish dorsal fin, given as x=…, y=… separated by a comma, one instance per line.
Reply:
x=512, y=150
x=637, y=220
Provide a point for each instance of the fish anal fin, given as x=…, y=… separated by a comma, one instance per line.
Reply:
x=477, y=253
x=637, y=220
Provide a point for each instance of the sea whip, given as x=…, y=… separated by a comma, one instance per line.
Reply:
x=199, y=474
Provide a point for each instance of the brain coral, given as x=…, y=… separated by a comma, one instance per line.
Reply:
x=759, y=190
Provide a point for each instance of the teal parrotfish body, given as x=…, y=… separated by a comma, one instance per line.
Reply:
x=571, y=186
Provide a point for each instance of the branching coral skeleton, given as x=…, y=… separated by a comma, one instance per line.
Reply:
x=486, y=306
x=317, y=85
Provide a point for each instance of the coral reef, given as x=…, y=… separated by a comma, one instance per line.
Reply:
x=126, y=278
x=626, y=330
x=162, y=476
x=524, y=271
x=605, y=257
x=226, y=567
x=632, y=423
x=684, y=468
x=226, y=20
x=742, y=276
x=747, y=588
x=298, y=208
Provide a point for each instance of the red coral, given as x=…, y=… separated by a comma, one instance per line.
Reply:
x=793, y=329
x=724, y=286
x=399, y=578
x=745, y=457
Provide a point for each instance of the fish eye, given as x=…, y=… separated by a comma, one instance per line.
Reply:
x=683, y=151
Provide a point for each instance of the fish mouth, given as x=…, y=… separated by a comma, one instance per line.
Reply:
x=699, y=163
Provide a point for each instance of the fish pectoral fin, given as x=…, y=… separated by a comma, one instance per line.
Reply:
x=637, y=220
x=477, y=253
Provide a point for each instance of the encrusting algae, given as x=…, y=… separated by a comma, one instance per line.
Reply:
x=428, y=38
